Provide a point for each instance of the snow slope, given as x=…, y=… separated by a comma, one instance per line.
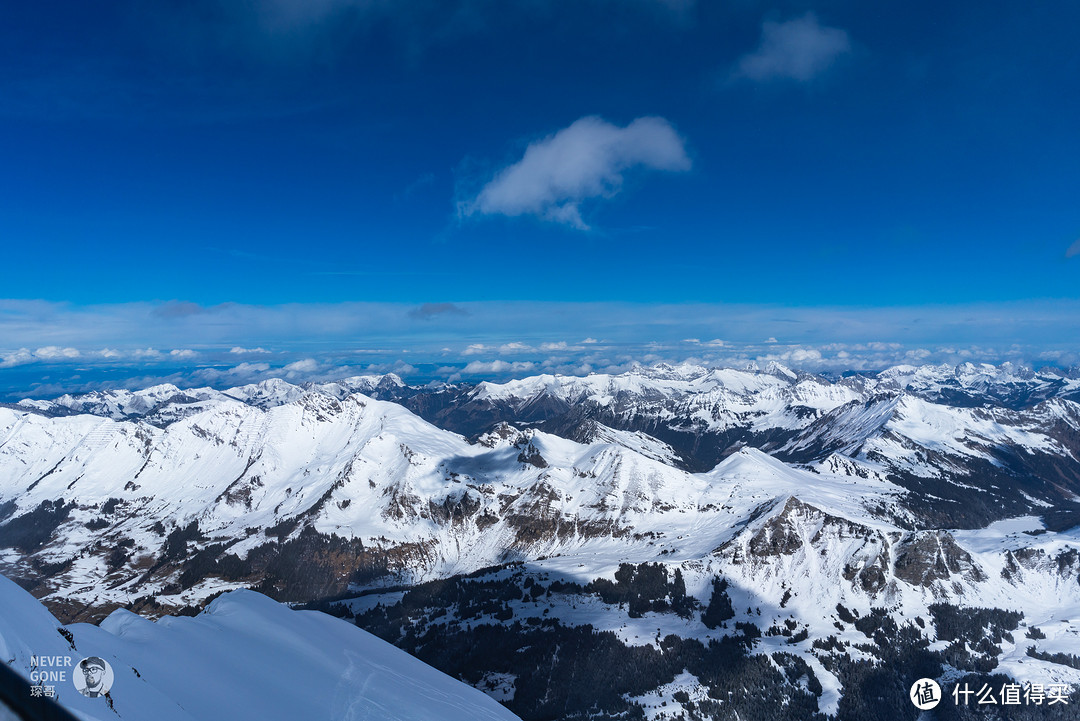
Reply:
x=244, y=657
x=361, y=469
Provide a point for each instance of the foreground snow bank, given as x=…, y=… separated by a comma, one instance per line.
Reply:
x=244, y=657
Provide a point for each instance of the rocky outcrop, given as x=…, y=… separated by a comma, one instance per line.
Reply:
x=926, y=557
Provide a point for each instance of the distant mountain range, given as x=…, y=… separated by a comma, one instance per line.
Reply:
x=809, y=532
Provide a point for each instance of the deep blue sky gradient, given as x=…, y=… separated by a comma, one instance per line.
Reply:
x=202, y=153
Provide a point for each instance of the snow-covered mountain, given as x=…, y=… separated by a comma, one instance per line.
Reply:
x=244, y=657
x=799, y=612
x=794, y=495
x=969, y=384
x=308, y=491
x=311, y=496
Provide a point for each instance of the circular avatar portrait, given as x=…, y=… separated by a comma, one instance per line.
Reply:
x=93, y=676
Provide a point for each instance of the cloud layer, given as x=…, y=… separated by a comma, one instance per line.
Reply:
x=799, y=49
x=52, y=348
x=586, y=160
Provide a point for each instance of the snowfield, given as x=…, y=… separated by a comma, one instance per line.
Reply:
x=869, y=496
x=244, y=657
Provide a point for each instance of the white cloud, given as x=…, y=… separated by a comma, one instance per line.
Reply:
x=799, y=49
x=586, y=160
x=590, y=341
x=801, y=355
x=23, y=356
x=561, y=345
x=498, y=366
x=238, y=350
x=308, y=365
x=246, y=368
x=17, y=358
x=515, y=347
x=108, y=338
x=53, y=352
x=182, y=353
x=399, y=367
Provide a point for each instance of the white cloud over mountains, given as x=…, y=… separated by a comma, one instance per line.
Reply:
x=498, y=366
x=23, y=356
x=799, y=49
x=57, y=354
x=51, y=353
x=587, y=160
x=832, y=358
x=134, y=345
x=40, y=331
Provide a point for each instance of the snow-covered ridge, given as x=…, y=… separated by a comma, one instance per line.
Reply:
x=710, y=385
x=244, y=656
x=359, y=468
x=971, y=384
x=124, y=404
x=199, y=492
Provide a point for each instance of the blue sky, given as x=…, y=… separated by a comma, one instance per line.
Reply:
x=639, y=159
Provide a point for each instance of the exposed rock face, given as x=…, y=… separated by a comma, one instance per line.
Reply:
x=926, y=557
x=800, y=538
x=783, y=533
x=870, y=570
x=871, y=559
x=1018, y=562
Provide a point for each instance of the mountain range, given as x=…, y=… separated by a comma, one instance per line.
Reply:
x=807, y=531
